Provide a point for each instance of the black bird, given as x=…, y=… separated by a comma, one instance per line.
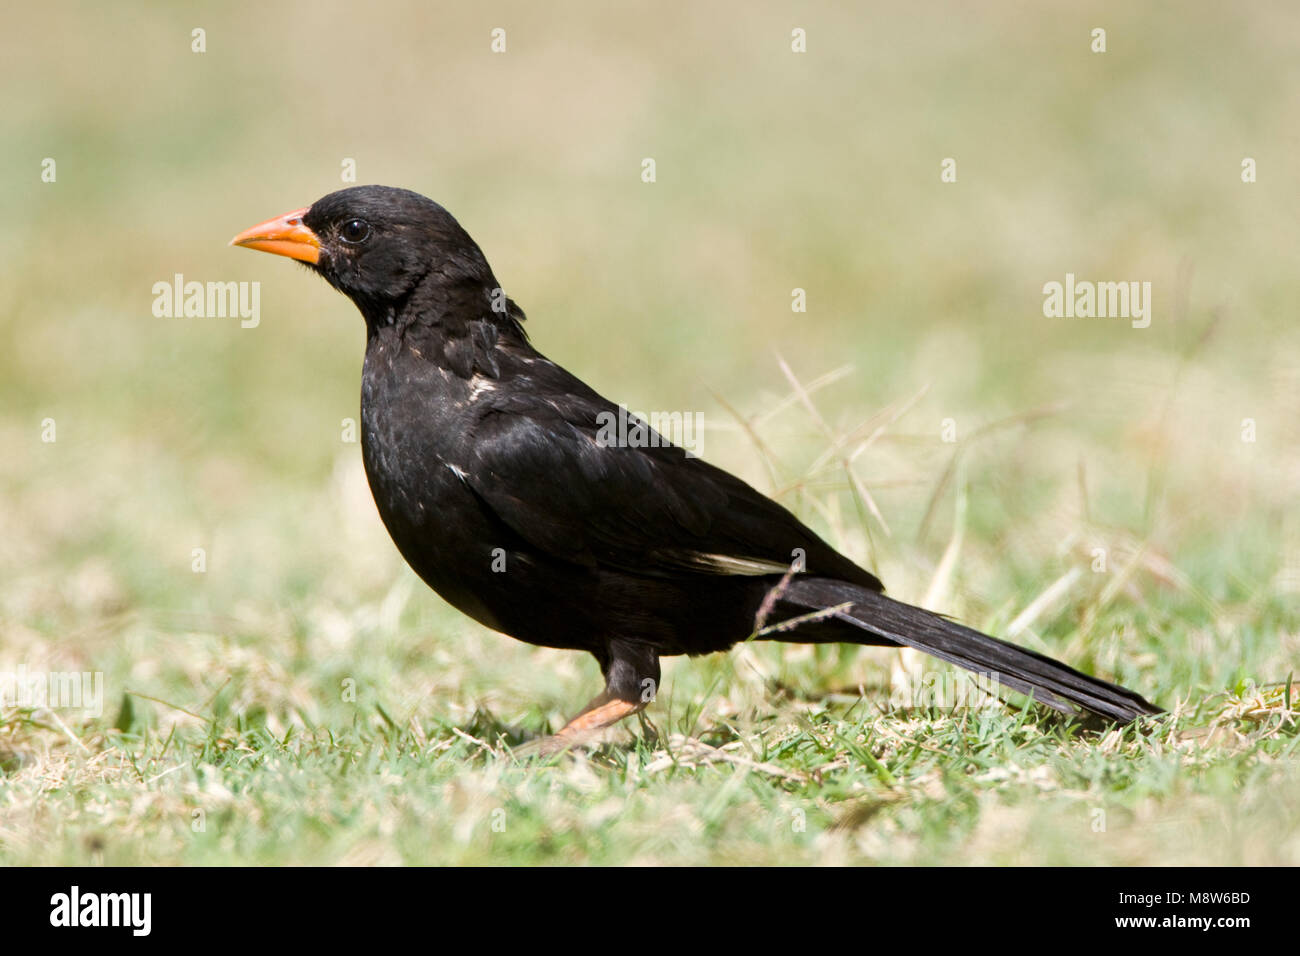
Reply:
x=489, y=469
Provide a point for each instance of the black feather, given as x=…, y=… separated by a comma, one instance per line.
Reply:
x=1048, y=681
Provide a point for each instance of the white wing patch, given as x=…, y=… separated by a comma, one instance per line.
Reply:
x=730, y=564
x=480, y=384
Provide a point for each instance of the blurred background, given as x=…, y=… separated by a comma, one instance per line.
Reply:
x=775, y=170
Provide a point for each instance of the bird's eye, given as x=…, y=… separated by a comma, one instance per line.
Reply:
x=355, y=230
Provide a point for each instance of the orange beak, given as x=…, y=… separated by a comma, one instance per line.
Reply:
x=284, y=235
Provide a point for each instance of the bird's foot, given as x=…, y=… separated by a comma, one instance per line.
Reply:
x=547, y=746
x=605, y=711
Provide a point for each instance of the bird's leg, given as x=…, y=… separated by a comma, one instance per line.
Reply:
x=631, y=682
x=603, y=711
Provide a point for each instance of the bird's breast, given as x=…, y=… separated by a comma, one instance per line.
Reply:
x=412, y=424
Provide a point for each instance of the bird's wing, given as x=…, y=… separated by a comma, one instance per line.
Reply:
x=541, y=465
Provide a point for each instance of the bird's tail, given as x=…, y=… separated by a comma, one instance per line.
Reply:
x=888, y=621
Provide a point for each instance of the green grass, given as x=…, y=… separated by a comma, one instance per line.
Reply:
x=306, y=699
x=793, y=782
x=330, y=718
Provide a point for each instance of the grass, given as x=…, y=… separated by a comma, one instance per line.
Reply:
x=304, y=699
x=364, y=722
x=794, y=782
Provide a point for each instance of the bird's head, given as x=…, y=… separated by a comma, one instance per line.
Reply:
x=380, y=246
